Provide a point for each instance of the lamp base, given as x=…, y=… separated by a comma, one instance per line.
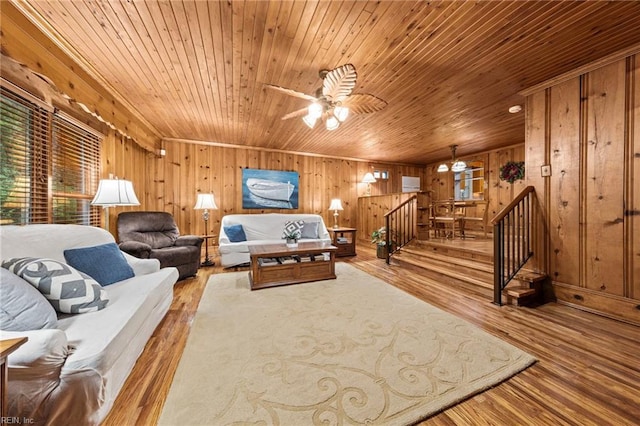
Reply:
x=207, y=262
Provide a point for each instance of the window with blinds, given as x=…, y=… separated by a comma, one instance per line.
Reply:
x=49, y=164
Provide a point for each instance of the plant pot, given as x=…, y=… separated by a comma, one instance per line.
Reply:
x=381, y=251
x=291, y=243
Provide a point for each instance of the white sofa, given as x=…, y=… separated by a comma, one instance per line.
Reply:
x=71, y=374
x=266, y=228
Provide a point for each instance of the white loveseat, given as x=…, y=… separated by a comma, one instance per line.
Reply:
x=72, y=373
x=266, y=228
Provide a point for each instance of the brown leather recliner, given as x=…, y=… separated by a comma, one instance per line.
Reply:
x=155, y=235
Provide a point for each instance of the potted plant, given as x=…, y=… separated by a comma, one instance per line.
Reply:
x=379, y=238
x=292, y=238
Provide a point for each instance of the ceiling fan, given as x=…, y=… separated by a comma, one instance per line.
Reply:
x=333, y=102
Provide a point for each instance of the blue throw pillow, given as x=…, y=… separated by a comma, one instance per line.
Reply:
x=105, y=263
x=235, y=233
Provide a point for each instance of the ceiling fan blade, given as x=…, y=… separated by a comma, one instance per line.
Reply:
x=298, y=113
x=291, y=92
x=339, y=83
x=363, y=103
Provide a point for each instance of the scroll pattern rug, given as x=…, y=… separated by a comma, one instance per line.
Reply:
x=354, y=350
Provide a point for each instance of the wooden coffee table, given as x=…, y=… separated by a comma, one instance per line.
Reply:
x=276, y=264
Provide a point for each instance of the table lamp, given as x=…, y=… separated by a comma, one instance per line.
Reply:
x=206, y=202
x=112, y=193
x=336, y=205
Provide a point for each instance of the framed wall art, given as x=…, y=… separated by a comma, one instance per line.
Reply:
x=269, y=189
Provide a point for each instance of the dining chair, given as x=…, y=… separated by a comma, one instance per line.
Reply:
x=446, y=218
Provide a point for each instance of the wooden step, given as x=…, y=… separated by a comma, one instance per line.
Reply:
x=520, y=295
x=464, y=270
x=452, y=259
x=449, y=248
x=519, y=291
x=530, y=277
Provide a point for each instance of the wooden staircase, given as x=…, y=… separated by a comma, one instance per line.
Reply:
x=468, y=267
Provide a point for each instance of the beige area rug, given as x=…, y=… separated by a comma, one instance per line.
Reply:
x=354, y=350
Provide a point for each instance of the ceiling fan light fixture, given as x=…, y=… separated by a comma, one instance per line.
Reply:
x=334, y=100
x=341, y=113
x=332, y=123
x=315, y=110
x=309, y=121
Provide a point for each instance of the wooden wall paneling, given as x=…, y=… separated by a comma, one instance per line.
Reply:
x=228, y=199
x=309, y=181
x=536, y=155
x=492, y=173
x=173, y=180
x=331, y=187
x=504, y=193
x=604, y=202
x=633, y=210
x=351, y=202
x=186, y=188
x=216, y=174
x=158, y=188
x=244, y=159
x=188, y=168
x=564, y=197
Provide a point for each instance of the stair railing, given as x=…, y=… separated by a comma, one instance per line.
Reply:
x=400, y=224
x=512, y=245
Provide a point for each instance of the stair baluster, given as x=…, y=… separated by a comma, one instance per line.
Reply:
x=512, y=240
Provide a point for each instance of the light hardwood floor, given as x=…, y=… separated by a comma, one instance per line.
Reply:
x=588, y=369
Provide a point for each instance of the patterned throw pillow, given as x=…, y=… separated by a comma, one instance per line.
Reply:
x=68, y=290
x=291, y=227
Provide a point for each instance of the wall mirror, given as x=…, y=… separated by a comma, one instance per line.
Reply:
x=469, y=183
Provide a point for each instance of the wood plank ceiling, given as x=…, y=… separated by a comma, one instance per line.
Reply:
x=449, y=70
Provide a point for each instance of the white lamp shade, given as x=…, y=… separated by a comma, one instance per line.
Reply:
x=332, y=123
x=368, y=178
x=205, y=202
x=315, y=110
x=309, y=121
x=115, y=192
x=459, y=166
x=443, y=168
x=336, y=204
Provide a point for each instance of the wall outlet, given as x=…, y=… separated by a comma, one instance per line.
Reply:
x=545, y=170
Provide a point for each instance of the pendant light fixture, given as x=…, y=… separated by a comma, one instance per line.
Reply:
x=456, y=165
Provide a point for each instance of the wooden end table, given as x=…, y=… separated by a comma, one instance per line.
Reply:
x=7, y=347
x=310, y=261
x=345, y=240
